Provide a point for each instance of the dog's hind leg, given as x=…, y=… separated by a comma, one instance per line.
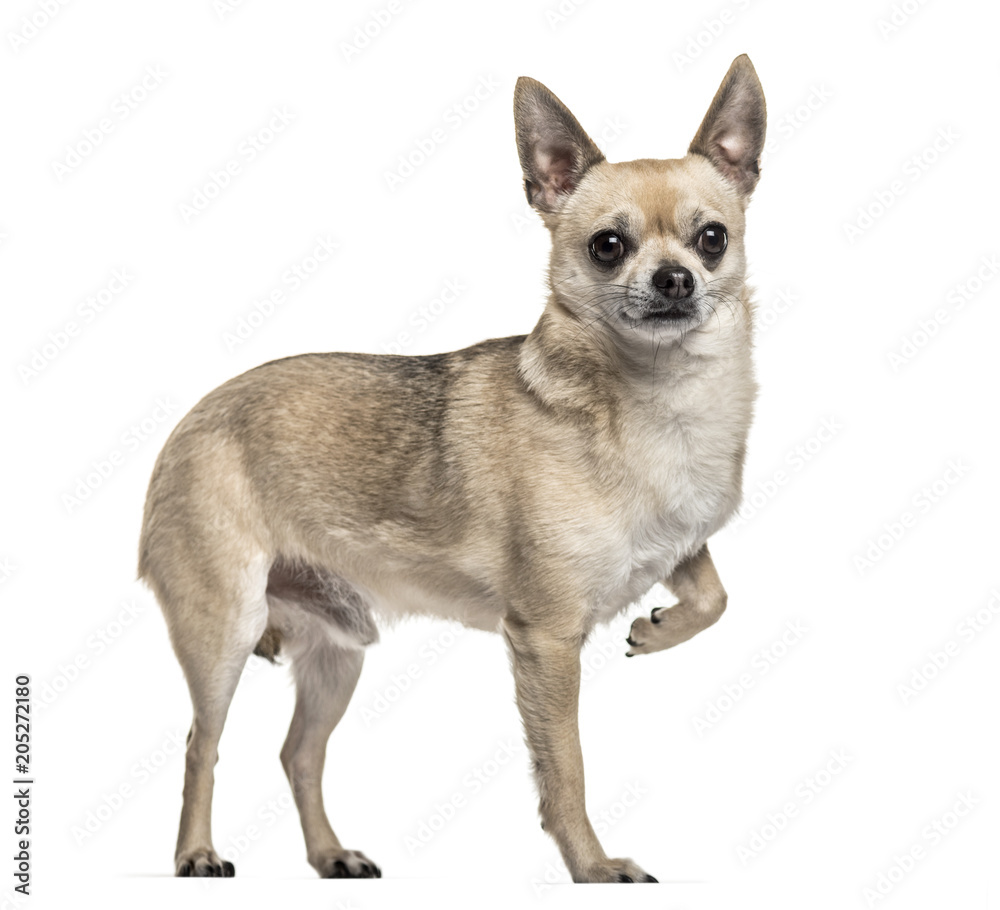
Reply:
x=221, y=627
x=324, y=625
x=325, y=677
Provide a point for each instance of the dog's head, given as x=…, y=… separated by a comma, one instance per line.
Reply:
x=651, y=248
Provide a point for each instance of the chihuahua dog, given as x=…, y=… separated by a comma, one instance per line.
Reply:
x=301, y=502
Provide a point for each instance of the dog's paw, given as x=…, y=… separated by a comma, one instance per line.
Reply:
x=615, y=870
x=202, y=862
x=345, y=864
x=666, y=627
x=643, y=637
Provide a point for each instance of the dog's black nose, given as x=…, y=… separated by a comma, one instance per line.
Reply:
x=673, y=282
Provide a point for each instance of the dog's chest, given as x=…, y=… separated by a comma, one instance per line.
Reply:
x=680, y=481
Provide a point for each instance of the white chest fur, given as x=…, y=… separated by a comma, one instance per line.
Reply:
x=681, y=462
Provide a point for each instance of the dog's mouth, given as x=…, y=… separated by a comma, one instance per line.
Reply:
x=669, y=314
x=668, y=317
x=654, y=314
x=650, y=309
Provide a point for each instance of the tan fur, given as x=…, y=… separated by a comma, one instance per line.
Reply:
x=533, y=486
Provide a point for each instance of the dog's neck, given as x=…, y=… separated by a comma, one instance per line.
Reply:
x=589, y=368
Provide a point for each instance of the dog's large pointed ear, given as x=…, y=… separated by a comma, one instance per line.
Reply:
x=732, y=134
x=555, y=152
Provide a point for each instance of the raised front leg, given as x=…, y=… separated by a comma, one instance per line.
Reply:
x=701, y=600
x=547, y=682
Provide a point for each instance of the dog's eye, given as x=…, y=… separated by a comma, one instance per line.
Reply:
x=713, y=239
x=607, y=247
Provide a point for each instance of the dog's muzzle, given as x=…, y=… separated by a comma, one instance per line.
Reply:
x=674, y=286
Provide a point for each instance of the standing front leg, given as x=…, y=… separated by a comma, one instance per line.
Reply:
x=547, y=682
x=701, y=600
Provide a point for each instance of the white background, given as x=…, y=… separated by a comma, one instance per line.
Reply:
x=867, y=613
